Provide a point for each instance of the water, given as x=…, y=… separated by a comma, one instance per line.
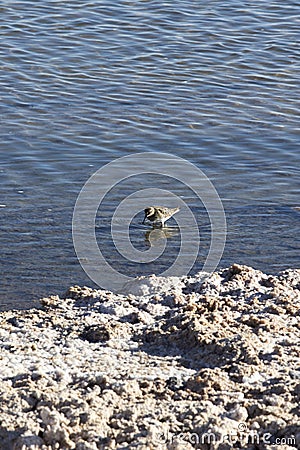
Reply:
x=83, y=83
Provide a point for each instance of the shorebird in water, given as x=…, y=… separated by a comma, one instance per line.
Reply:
x=159, y=214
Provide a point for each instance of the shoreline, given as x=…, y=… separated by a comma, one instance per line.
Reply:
x=168, y=364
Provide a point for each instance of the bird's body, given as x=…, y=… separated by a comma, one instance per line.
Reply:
x=159, y=214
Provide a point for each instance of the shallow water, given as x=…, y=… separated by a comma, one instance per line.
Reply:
x=84, y=83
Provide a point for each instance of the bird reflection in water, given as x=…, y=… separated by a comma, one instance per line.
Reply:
x=156, y=235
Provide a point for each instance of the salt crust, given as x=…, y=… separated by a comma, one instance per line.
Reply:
x=163, y=365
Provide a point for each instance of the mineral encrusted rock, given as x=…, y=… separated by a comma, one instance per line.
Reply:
x=176, y=363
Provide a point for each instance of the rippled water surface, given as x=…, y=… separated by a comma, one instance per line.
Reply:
x=83, y=83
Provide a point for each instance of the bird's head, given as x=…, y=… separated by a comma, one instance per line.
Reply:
x=148, y=212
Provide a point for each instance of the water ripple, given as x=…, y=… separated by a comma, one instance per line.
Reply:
x=84, y=82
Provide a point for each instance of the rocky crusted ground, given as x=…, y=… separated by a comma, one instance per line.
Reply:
x=172, y=363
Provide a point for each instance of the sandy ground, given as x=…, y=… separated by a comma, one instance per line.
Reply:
x=172, y=363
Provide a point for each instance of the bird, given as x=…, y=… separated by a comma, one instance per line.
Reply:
x=159, y=214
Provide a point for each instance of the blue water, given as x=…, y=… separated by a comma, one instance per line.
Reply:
x=83, y=83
